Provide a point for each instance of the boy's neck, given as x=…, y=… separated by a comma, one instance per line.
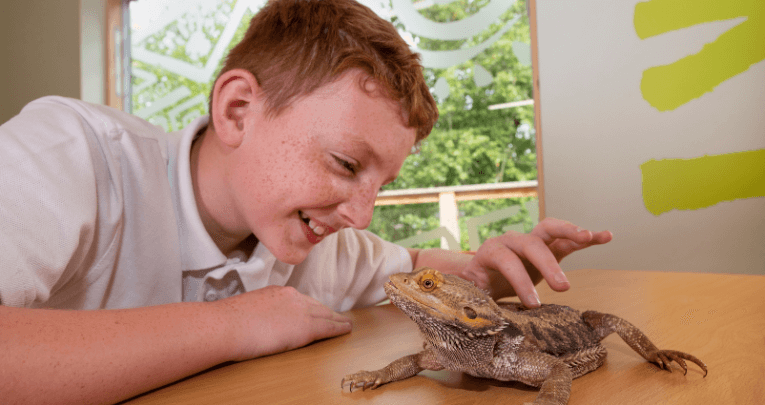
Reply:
x=206, y=172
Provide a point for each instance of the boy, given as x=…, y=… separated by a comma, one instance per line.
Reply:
x=257, y=211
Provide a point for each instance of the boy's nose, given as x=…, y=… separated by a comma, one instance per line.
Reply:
x=358, y=209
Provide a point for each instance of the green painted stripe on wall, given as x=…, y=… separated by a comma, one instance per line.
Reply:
x=691, y=184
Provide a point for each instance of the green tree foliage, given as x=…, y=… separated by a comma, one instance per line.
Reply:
x=470, y=144
x=172, y=41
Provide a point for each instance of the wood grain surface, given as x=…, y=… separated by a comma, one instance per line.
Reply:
x=718, y=318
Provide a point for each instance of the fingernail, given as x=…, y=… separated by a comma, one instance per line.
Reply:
x=533, y=299
x=341, y=317
x=561, y=279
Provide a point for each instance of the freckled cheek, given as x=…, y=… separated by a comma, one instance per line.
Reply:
x=317, y=181
x=286, y=170
x=324, y=190
x=368, y=193
x=363, y=198
x=308, y=172
x=263, y=182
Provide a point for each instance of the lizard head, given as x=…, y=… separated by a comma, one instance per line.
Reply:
x=436, y=300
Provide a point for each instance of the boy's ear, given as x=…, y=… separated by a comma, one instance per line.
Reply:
x=236, y=95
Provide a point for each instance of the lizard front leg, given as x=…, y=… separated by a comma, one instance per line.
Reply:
x=400, y=369
x=605, y=324
x=549, y=373
x=556, y=389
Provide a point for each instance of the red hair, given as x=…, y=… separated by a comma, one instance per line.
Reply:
x=293, y=47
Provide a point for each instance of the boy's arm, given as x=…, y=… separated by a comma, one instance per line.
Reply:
x=513, y=263
x=104, y=356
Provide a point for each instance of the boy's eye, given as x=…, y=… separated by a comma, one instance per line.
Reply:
x=350, y=167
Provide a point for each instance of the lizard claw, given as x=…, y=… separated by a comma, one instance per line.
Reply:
x=664, y=359
x=362, y=379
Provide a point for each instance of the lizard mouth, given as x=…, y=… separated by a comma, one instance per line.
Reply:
x=400, y=299
x=389, y=287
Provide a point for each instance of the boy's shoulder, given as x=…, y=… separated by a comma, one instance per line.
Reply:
x=101, y=118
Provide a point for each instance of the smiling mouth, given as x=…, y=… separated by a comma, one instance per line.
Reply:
x=317, y=229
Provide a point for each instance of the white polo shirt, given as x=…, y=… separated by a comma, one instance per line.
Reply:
x=97, y=211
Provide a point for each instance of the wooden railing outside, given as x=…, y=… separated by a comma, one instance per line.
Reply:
x=447, y=198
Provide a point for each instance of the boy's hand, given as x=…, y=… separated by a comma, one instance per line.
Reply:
x=523, y=259
x=276, y=319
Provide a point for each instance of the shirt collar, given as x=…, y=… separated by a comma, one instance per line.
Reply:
x=198, y=250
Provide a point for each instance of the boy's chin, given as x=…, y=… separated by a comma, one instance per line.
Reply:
x=291, y=256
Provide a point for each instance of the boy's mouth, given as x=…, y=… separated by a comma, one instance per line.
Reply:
x=317, y=229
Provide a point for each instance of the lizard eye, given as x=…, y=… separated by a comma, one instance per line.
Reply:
x=428, y=284
x=470, y=313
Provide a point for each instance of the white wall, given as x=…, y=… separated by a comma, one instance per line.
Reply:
x=597, y=130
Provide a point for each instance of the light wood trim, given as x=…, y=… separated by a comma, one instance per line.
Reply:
x=470, y=196
x=406, y=200
x=113, y=68
x=532, y=9
x=495, y=194
x=462, y=193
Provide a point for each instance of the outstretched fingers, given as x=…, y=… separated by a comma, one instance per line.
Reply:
x=564, y=238
x=524, y=259
x=550, y=229
x=564, y=247
x=507, y=262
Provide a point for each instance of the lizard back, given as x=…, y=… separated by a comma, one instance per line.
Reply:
x=554, y=329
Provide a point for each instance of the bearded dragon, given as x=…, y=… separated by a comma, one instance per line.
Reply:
x=466, y=331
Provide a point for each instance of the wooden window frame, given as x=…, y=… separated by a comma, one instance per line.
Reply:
x=532, y=10
x=117, y=55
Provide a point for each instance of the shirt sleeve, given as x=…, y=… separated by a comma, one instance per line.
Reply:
x=48, y=203
x=349, y=269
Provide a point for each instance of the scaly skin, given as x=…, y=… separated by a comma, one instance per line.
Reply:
x=465, y=330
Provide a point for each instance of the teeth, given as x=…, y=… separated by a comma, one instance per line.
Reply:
x=316, y=228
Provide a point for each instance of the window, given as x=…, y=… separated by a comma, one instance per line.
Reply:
x=477, y=62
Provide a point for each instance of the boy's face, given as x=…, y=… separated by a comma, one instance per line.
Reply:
x=317, y=167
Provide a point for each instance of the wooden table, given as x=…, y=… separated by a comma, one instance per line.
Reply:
x=718, y=318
